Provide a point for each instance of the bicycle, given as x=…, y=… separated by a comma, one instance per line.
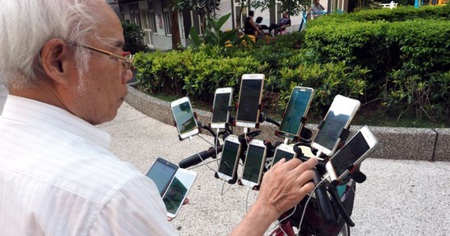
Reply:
x=325, y=212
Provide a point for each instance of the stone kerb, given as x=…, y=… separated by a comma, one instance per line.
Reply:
x=394, y=143
x=442, y=152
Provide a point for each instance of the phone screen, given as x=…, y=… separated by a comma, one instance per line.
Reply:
x=253, y=162
x=279, y=154
x=228, y=160
x=184, y=117
x=177, y=191
x=349, y=154
x=162, y=173
x=249, y=100
x=339, y=115
x=296, y=109
x=220, y=109
x=331, y=130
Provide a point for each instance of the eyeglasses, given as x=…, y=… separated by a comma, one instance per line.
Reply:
x=126, y=58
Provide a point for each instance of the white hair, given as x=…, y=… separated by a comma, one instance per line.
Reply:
x=26, y=25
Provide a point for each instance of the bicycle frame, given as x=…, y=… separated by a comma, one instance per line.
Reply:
x=286, y=226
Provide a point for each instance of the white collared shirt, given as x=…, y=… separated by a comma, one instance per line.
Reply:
x=58, y=178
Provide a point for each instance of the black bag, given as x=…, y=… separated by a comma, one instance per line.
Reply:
x=313, y=223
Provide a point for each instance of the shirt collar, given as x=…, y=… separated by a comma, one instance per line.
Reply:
x=37, y=113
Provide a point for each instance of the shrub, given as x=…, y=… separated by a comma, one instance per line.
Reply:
x=134, y=38
x=403, y=63
x=399, y=54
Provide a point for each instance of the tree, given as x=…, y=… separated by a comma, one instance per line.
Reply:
x=175, y=31
x=209, y=7
x=294, y=7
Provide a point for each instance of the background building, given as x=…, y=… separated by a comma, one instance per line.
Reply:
x=153, y=16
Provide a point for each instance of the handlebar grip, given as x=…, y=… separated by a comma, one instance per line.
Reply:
x=199, y=157
x=323, y=201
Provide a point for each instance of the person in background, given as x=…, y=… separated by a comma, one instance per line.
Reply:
x=66, y=71
x=250, y=27
x=283, y=23
x=316, y=9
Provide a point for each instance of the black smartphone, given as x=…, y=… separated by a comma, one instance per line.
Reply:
x=162, y=173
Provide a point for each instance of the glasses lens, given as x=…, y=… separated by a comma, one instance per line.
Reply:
x=128, y=64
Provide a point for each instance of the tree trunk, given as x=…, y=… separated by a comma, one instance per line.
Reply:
x=176, y=39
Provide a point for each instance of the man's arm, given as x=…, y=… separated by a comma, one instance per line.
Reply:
x=283, y=186
x=255, y=27
x=135, y=209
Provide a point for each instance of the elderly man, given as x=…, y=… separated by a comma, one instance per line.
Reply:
x=66, y=72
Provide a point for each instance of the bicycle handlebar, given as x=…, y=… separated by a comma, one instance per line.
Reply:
x=199, y=157
x=323, y=201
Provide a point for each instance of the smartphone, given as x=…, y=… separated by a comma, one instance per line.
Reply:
x=162, y=173
x=254, y=163
x=184, y=117
x=221, y=111
x=250, y=95
x=230, y=158
x=338, y=118
x=178, y=190
x=297, y=108
x=283, y=151
x=356, y=150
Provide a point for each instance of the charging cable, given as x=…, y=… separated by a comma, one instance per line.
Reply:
x=306, y=205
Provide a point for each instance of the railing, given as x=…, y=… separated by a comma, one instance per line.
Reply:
x=389, y=5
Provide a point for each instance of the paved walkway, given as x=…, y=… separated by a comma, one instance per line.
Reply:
x=398, y=198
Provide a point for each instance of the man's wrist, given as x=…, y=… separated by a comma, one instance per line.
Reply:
x=266, y=211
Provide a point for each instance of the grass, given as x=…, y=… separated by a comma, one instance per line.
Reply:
x=367, y=115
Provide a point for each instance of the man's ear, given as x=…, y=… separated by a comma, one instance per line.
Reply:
x=55, y=58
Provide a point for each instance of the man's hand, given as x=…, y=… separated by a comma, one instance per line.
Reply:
x=283, y=186
x=286, y=184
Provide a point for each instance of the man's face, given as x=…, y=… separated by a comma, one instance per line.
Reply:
x=101, y=90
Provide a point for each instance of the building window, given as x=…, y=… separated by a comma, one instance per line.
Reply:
x=166, y=17
x=151, y=18
x=135, y=15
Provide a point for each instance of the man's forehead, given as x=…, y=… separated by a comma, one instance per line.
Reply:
x=109, y=29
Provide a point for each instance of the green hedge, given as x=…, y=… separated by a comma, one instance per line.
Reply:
x=397, y=53
x=401, y=13
x=377, y=55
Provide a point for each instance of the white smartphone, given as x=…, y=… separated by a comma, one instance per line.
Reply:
x=178, y=190
x=250, y=95
x=283, y=151
x=162, y=173
x=297, y=108
x=230, y=158
x=338, y=118
x=356, y=150
x=184, y=117
x=254, y=163
x=220, y=111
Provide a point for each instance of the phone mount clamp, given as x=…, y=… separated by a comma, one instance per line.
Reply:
x=231, y=181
